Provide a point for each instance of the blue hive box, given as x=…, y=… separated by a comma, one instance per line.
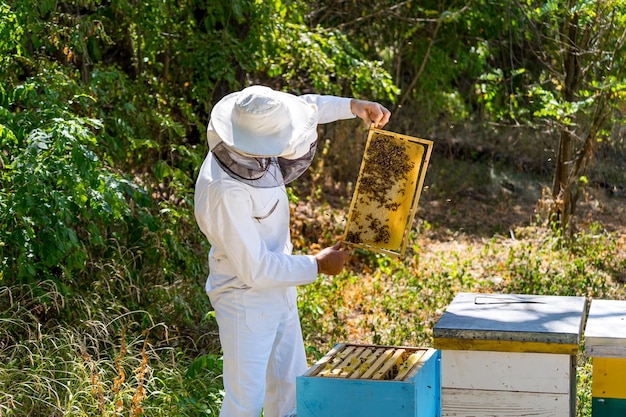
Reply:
x=372, y=381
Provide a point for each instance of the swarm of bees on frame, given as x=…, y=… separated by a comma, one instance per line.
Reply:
x=386, y=163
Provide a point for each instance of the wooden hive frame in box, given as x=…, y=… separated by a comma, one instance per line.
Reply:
x=387, y=192
x=368, y=362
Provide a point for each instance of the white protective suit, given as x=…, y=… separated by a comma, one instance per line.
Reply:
x=252, y=282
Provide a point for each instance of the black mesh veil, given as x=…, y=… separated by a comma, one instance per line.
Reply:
x=262, y=172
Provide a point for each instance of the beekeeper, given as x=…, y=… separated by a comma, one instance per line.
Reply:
x=259, y=140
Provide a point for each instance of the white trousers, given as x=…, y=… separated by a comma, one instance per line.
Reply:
x=263, y=350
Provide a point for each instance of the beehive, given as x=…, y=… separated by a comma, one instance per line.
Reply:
x=387, y=192
x=509, y=355
x=365, y=380
x=605, y=342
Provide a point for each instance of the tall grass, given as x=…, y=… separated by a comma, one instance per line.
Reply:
x=110, y=364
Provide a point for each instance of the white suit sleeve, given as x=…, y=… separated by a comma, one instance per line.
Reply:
x=233, y=231
x=330, y=108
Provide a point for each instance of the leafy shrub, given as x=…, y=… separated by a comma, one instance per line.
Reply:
x=60, y=202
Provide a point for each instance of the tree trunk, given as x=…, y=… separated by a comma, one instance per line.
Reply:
x=562, y=187
x=562, y=201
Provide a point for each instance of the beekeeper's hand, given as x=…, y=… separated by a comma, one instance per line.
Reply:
x=370, y=112
x=330, y=261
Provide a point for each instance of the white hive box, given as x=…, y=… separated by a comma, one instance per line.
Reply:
x=605, y=342
x=509, y=355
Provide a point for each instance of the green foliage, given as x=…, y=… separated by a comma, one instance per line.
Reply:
x=98, y=93
x=538, y=270
x=584, y=371
x=10, y=35
x=58, y=197
x=325, y=61
x=397, y=300
x=601, y=68
x=410, y=38
x=69, y=207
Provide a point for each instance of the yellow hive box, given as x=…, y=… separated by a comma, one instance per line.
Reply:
x=387, y=191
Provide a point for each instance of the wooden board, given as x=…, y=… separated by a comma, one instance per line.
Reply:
x=325, y=362
x=505, y=346
x=412, y=365
x=474, y=403
x=608, y=378
x=506, y=371
x=367, y=362
x=511, y=322
x=605, y=332
x=387, y=192
x=341, y=363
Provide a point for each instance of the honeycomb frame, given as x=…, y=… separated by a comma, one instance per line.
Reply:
x=387, y=192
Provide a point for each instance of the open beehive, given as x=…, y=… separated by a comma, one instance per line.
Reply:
x=368, y=362
x=387, y=192
x=372, y=381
